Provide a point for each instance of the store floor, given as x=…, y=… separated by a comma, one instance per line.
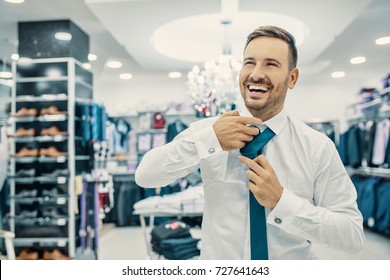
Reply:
x=128, y=243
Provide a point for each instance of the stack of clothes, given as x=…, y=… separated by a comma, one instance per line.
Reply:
x=173, y=240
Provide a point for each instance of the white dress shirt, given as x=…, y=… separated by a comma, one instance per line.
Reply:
x=318, y=203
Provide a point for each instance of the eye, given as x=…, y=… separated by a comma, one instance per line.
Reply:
x=272, y=64
x=249, y=62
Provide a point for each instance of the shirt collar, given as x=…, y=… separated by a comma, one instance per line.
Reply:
x=275, y=123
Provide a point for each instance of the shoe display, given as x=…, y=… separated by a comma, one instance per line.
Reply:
x=51, y=193
x=26, y=112
x=27, y=254
x=52, y=131
x=51, y=152
x=52, y=110
x=56, y=254
x=23, y=132
x=26, y=214
x=26, y=152
x=27, y=193
x=57, y=173
x=52, y=213
x=25, y=173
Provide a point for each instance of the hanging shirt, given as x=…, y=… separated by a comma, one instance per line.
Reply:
x=381, y=141
x=318, y=203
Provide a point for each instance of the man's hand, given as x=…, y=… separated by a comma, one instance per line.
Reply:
x=233, y=131
x=264, y=184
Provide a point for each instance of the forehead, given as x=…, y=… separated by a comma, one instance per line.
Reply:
x=265, y=47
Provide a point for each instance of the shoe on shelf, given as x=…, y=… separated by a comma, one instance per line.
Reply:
x=51, y=193
x=57, y=173
x=26, y=214
x=25, y=173
x=23, y=132
x=28, y=193
x=51, y=152
x=27, y=152
x=52, y=213
x=27, y=254
x=26, y=112
x=52, y=110
x=56, y=254
x=52, y=131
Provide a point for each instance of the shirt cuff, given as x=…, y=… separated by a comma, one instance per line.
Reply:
x=206, y=142
x=285, y=211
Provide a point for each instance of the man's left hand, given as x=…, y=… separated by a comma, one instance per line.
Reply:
x=264, y=184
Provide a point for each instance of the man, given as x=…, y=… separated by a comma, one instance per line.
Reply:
x=299, y=177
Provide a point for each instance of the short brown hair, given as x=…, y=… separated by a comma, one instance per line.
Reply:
x=279, y=33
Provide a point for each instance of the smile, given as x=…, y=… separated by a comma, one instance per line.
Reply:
x=256, y=90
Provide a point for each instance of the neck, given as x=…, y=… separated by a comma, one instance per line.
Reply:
x=264, y=115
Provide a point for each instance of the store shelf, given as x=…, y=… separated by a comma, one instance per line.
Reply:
x=152, y=130
x=41, y=83
x=42, y=98
x=44, y=118
x=370, y=171
x=42, y=139
x=43, y=242
x=41, y=79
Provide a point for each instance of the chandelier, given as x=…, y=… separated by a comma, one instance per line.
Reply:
x=213, y=89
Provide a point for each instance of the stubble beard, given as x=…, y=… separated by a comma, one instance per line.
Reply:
x=272, y=105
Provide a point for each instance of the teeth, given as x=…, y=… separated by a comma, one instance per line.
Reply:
x=258, y=87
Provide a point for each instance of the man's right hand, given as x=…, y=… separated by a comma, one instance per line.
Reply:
x=233, y=131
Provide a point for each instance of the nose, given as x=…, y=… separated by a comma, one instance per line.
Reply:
x=257, y=73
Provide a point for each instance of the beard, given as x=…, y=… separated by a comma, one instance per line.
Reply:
x=273, y=102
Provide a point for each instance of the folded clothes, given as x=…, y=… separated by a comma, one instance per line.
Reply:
x=180, y=248
x=188, y=200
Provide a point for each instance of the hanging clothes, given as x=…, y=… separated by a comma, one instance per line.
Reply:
x=174, y=129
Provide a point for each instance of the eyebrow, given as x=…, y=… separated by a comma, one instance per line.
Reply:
x=267, y=59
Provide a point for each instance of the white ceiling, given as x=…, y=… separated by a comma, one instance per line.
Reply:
x=123, y=29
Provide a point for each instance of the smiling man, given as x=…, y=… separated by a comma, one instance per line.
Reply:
x=272, y=185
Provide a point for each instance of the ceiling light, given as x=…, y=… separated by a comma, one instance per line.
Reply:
x=358, y=60
x=174, y=41
x=5, y=74
x=125, y=76
x=174, y=75
x=382, y=41
x=338, y=74
x=14, y=56
x=63, y=36
x=92, y=57
x=114, y=64
x=15, y=1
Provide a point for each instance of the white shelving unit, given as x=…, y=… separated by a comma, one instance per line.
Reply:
x=44, y=207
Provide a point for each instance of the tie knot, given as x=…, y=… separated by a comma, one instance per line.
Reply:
x=252, y=148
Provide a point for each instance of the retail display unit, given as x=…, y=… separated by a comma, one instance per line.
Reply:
x=365, y=150
x=48, y=154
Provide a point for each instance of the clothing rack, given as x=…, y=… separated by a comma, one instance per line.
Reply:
x=329, y=127
x=370, y=171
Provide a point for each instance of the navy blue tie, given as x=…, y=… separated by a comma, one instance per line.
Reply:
x=258, y=225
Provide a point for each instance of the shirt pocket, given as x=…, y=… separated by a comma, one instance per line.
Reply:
x=213, y=168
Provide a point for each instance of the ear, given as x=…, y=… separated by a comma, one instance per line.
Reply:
x=293, y=79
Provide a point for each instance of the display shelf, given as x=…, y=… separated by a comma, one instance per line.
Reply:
x=43, y=139
x=41, y=83
x=43, y=98
x=43, y=242
x=370, y=171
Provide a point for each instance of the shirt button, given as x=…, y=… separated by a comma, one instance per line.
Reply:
x=278, y=220
x=211, y=150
